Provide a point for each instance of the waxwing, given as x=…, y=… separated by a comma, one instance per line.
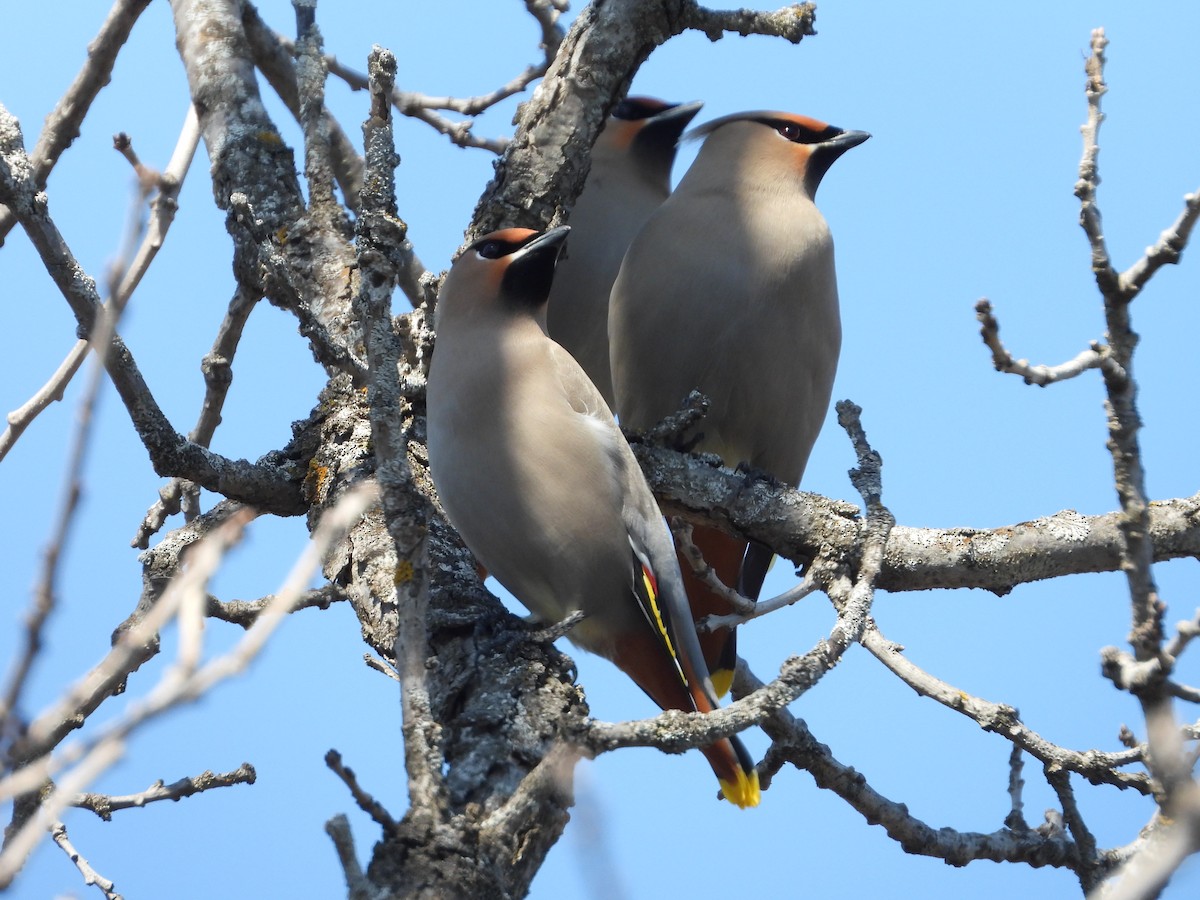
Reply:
x=729, y=288
x=630, y=176
x=532, y=470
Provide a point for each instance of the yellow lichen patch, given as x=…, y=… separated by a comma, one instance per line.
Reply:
x=404, y=572
x=316, y=478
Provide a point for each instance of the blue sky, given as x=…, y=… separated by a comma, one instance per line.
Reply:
x=964, y=191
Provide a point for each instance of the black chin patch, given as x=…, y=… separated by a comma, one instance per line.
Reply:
x=527, y=280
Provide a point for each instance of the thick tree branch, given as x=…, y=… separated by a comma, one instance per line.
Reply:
x=405, y=510
x=307, y=259
x=543, y=169
x=798, y=525
x=275, y=58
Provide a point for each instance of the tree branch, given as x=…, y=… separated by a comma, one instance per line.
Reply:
x=262, y=485
x=104, y=805
x=62, y=125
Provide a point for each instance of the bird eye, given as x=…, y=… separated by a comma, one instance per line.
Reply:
x=789, y=130
x=490, y=249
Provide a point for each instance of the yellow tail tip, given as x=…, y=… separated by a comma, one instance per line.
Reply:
x=722, y=681
x=744, y=792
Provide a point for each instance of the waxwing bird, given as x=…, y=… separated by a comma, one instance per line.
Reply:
x=729, y=288
x=629, y=178
x=539, y=481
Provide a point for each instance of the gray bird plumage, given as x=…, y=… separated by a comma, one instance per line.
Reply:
x=534, y=473
x=730, y=288
x=629, y=178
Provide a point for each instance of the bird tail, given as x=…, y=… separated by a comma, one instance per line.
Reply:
x=724, y=554
x=735, y=771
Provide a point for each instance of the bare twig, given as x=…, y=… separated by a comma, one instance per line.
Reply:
x=168, y=185
x=423, y=106
x=246, y=612
x=365, y=801
x=1185, y=632
x=1096, y=357
x=358, y=887
x=62, y=125
x=1098, y=768
x=708, y=575
x=263, y=485
x=104, y=805
x=792, y=23
x=1164, y=757
x=58, y=832
x=217, y=367
x=1167, y=250
x=1016, y=786
x=45, y=593
x=1091, y=869
x=21, y=417
x=793, y=742
x=1089, y=172
x=379, y=665
x=185, y=681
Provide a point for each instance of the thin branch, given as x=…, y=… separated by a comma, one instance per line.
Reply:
x=245, y=613
x=379, y=665
x=62, y=125
x=1168, y=250
x=422, y=106
x=1096, y=767
x=58, y=832
x=365, y=801
x=168, y=185
x=674, y=731
x=104, y=805
x=358, y=887
x=1015, y=819
x=1185, y=632
x=163, y=207
x=744, y=606
x=1164, y=757
x=1091, y=870
x=45, y=593
x=792, y=23
x=21, y=417
x=135, y=645
x=186, y=681
x=793, y=742
x=217, y=368
x=1096, y=357
x=275, y=58
x=262, y=485
x=1089, y=172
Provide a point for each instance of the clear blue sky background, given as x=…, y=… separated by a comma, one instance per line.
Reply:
x=964, y=191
